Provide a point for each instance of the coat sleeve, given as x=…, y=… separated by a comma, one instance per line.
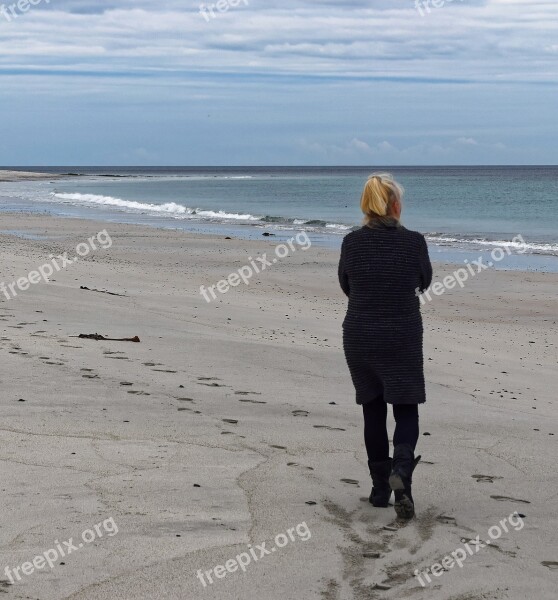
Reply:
x=343, y=277
x=425, y=266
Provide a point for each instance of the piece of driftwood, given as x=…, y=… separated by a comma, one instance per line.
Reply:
x=99, y=337
x=84, y=287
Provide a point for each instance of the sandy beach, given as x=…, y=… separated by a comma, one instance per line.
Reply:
x=232, y=422
x=11, y=176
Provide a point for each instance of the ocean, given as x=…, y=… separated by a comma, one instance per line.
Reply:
x=463, y=211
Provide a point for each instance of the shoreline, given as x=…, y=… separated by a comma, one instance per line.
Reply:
x=444, y=255
x=166, y=198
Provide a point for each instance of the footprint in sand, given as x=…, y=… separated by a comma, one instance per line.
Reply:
x=4, y=585
x=164, y=371
x=215, y=385
x=551, y=564
x=88, y=374
x=183, y=409
x=446, y=520
x=251, y=401
x=300, y=413
x=185, y=399
x=152, y=364
x=208, y=379
x=485, y=478
x=126, y=383
x=293, y=464
x=350, y=482
x=328, y=427
x=508, y=499
x=278, y=447
x=247, y=393
x=118, y=357
x=138, y=393
x=230, y=421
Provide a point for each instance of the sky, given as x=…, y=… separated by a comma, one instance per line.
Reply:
x=278, y=82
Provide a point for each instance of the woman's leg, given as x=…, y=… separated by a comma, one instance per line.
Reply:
x=377, y=448
x=375, y=430
x=404, y=462
x=406, y=424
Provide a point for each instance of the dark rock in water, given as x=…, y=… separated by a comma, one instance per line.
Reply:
x=228, y=238
x=267, y=234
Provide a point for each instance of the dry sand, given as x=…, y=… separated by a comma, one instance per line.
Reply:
x=25, y=175
x=229, y=419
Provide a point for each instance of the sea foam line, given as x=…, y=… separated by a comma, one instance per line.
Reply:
x=171, y=208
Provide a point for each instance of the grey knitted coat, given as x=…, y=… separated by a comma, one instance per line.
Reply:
x=380, y=270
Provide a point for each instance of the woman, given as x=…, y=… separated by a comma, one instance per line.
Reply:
x=383, y=268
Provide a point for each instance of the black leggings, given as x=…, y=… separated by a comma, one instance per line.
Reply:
x=375, y=429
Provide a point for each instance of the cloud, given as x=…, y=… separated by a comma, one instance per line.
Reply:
x=354, y=81
x=382, y=40
x=466, y=141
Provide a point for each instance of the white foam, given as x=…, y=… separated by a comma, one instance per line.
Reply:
x=338, y=226
x=170, y=208
x=211, y=214
x=530, y=247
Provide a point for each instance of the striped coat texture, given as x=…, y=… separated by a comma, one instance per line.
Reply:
x=380, y=270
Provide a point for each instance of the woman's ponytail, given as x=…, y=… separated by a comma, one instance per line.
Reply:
x=380, y=191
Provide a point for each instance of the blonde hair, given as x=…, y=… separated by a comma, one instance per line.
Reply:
x=379, y=194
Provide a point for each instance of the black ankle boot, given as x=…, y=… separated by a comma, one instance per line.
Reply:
x=381, y=492
x=401, y=479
